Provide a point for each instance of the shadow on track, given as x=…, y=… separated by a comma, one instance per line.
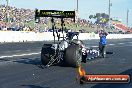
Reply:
x=37, y=62
x=1, y=60
x=33, y=86
x=31, y=61
x=129, y=85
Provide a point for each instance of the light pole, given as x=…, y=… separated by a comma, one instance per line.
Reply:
x=109, y=13
x=127, y=18
x=7, y=13
x=109, y=9
x=76, y=16
x=77, y=5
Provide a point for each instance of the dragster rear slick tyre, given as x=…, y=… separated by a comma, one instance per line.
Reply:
x=73, y=56
x=46, y=52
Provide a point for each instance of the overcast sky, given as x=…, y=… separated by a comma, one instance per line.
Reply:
x=86, y=7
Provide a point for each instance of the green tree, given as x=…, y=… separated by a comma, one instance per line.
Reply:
x=91, y=16
x=100, y=17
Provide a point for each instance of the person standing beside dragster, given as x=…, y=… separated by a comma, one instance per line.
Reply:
x=102, y=43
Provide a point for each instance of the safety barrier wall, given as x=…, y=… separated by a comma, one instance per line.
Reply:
x=20, y=36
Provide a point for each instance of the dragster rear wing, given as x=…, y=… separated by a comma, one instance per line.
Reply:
x=54, y=13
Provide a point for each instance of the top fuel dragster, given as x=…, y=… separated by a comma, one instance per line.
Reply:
x=68, y=50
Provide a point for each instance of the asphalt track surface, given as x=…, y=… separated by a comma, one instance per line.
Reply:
x=20, y=66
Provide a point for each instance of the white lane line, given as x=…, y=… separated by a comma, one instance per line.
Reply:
x=111, y=44
x=121, y=43
x=19, y=55
x=95, y=46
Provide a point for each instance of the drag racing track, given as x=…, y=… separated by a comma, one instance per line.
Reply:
x=20, y=66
